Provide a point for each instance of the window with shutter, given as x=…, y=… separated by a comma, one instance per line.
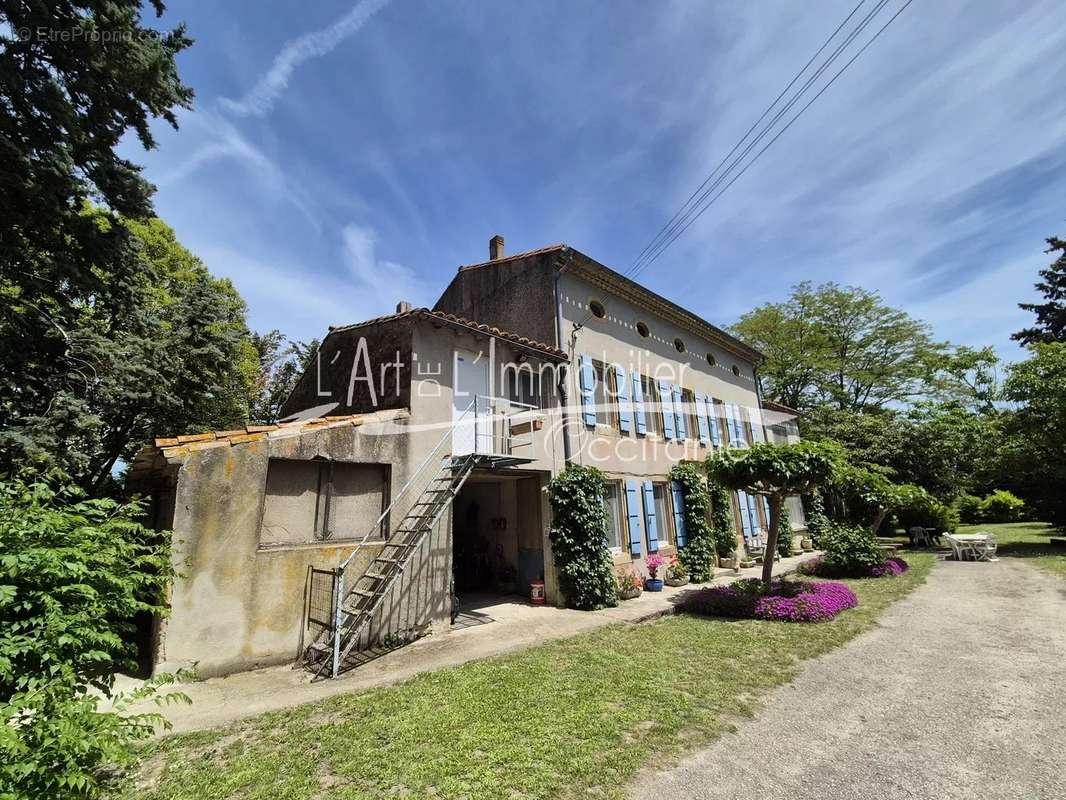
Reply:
x=701, y=418
x=633, y=507
x=650, y=521
x=679, y=415
x=588, y=382
x=666, y=394
x=638, y=405
x=625, y=411
x=678, y=497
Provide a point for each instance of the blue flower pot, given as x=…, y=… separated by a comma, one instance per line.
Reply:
x=653, y=584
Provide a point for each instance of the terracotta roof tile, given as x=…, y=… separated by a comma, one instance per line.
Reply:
x=178, y=446
x=452, y=319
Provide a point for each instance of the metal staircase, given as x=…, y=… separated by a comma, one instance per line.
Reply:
x=355, y=606
x=353, y=603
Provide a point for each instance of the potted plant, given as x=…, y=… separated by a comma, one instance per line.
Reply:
x=806, y=544
x=676, y=574
x=728, y=561
x=654, y=562
x=628, y=586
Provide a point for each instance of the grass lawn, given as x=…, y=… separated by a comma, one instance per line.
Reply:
x=575, y=717
x=1029, y=540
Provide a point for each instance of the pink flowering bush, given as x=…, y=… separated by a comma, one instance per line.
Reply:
x=889, y=568
x=787, y=601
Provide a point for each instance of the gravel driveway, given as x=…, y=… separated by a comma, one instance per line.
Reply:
x=960, y=693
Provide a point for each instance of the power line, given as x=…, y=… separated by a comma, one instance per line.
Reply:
x=778, y=135
x=664, y=230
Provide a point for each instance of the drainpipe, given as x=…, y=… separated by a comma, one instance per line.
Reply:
x=563, y=371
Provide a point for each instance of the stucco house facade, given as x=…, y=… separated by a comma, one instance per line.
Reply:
x=410, y=468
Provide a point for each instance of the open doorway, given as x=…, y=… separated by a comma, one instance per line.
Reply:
x=497, y=539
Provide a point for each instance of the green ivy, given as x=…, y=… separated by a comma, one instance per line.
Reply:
x=723, y=528
x=697, y=555
x=579, y=538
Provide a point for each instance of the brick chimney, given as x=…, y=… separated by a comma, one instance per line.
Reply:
x=495, y=247
x=403, y=307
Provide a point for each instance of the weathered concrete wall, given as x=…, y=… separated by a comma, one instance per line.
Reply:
x=239, y=604
x=515, y=294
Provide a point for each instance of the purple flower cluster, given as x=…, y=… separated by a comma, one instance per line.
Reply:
x=787, y=601
x=891, y=568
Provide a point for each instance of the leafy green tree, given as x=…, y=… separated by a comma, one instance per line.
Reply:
x=1036, y=441
x=73, y=574
x=967, y=377
x=842, y=346
x=176, y=356
x=775, y=471
x=75, y=78
x=1051, y=314
x=281, y=363
x=579, y=538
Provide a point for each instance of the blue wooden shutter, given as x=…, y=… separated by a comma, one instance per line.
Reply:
x=633, y=517
x=666, y=394
x=679, y=415
x=701, y=418
x=679, y=512
x=738, y=427
x=638, y=405
x=712, y=422
x=625, y=411
x=745, y=520
x=588, y=395
x=649, y=518
x=753, y=515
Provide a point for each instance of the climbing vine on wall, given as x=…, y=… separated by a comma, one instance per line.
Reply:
x=579, y=538
x=698, y=553
x=723, y=529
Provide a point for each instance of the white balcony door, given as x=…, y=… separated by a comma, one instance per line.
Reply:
x=474, y=433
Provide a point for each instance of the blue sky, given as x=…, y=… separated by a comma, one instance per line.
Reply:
x=344, y=155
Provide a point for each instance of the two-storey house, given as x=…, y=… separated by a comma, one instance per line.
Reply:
x=410, y=471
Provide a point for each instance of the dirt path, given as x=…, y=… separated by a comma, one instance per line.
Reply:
x=959, y=693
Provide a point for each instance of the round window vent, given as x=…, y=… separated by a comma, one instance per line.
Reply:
x=712, y=360
x=679, y=345
x=736, y=370
x=643, y=330
x=597, y=309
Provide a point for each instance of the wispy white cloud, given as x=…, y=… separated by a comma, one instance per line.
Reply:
x=260, y=99
x=379, y=283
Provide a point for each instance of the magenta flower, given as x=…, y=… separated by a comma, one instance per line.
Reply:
x=787, y=601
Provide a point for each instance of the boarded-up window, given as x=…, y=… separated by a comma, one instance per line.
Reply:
x=308, y=501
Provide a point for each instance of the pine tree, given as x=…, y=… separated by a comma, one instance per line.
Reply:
x=1051, y=315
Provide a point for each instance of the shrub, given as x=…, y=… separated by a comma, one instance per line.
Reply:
x=1001, y=506
x=579, y=538
x=73, y=574
x=918, y=508
x=786, y=601
x=851, y=550
x=969, y=507
x=698, y=553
